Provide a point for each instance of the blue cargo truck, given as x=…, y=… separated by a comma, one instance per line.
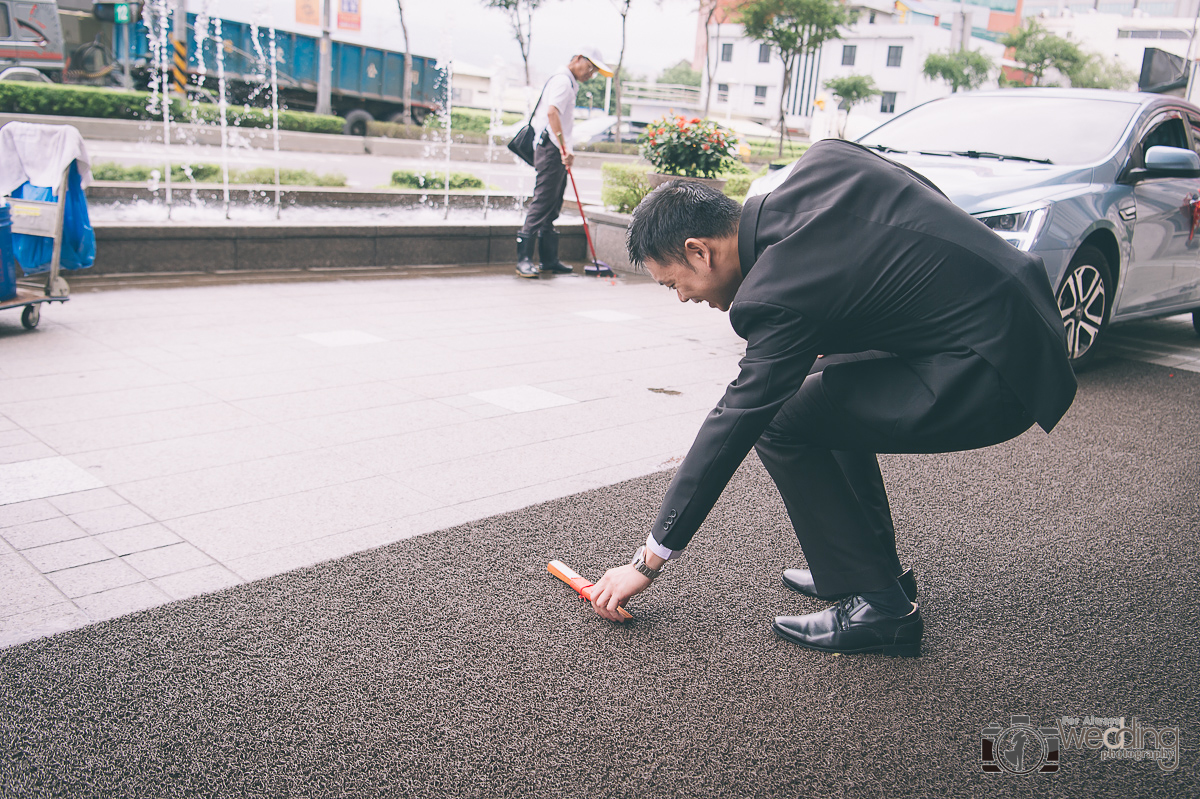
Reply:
x=367, y=82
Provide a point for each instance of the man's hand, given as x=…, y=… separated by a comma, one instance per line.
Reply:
x=614, y=590
x=568, y=159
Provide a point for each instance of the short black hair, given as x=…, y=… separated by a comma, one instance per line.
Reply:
x=673, y=213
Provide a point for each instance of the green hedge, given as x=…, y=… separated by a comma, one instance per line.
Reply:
x=433, y=180
x=470, y=120
x=211, y=173
x=623, y=186
x=90, y=101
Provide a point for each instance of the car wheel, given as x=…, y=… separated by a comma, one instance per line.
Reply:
x=1196, y=320
x=356, y=122
x=1085, y=302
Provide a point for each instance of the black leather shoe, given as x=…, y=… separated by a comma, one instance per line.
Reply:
x=801, y=580
x=853, y=627
x=525, y=265
x=548, y=253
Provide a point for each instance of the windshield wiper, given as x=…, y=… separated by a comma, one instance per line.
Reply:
x=883, y=148
x=984, y=154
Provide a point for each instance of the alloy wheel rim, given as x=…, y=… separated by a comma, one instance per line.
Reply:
x=1082, y=302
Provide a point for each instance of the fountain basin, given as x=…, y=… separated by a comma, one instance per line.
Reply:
x=103, y=193
x=167, y=247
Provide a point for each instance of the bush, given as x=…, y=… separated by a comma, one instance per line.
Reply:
x=623, y=186
x=91, y=101
x=687, y=147
x=470, y=120
x=432, y=180
x=394, y=130
x=211, y=173
x=737, y=185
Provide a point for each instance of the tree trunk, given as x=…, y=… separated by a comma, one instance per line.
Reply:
x=787, y=77
x=709, y=66
x=617, y=78
x=408, y=69
x=525, y=37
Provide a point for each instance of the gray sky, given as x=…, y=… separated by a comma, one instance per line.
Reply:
x=658, y=34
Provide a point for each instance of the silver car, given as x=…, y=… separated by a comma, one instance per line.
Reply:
x=1103, y=186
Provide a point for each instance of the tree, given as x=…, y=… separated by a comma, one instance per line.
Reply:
x=596, y=84
x=408, y=73
x=681, y=74
x=520, y=19
x=962, y=69
x=708, y=10
x=851, y=90
x=1097, y=72
x=623, y=10
x=792, y=28
x=1038, y=50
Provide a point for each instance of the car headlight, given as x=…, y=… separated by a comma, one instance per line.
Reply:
x=1020, y=227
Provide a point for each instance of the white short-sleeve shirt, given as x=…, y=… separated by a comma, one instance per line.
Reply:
x=560, y=92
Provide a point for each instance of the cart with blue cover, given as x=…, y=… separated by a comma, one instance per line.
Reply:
x=44, y=225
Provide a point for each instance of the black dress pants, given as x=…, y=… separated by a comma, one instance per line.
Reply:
x=548, y=189
x=820, y=449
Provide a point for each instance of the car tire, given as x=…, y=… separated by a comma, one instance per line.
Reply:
x=419, y=114
x=356, y=122
x=1196, y=320
x=1085, y=301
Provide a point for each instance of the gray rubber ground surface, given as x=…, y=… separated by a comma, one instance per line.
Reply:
x=1057, y=575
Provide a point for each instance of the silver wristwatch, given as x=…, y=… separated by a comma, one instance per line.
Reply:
x=639, y=563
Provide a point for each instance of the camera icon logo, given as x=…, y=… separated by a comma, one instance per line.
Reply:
x=1019, y=748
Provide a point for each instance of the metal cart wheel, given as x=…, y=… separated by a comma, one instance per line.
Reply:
x=31, y=316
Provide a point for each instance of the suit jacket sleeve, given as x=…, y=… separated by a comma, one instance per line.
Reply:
x=780, y=349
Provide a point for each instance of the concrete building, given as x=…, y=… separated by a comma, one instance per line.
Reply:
x=472, y=86
x=1124, y=37
x=889, y=42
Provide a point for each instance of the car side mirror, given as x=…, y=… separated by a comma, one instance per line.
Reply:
x=1166, y=162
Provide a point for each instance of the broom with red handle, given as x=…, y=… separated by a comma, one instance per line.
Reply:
x=582, y=587
x=596, y=267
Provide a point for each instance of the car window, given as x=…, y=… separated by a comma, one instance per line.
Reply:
x=1169, y=133
x=1065, y=130
x=1194, y=124
x=5, y=27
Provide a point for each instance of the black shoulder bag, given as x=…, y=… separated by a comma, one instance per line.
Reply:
x=523, y=144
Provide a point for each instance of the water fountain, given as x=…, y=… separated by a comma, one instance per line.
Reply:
x=200, y=234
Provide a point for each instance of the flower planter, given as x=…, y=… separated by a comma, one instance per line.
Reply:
x=655, y=180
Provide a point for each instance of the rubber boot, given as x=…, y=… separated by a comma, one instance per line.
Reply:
x=525, y=265
x=548, y=252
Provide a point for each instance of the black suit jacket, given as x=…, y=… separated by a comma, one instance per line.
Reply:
x=854, y=252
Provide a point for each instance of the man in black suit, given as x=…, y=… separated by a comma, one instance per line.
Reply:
x=878, y=317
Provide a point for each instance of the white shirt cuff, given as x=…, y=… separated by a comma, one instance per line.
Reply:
x=659, y=549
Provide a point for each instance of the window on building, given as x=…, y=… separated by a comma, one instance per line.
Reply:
x=764, y=53
x=760, y=95
x=5, y=27
x=727, y=52
x=848, y=53
x=887, y=103
x=894, y=54
x=722, y=92
x=871, y=19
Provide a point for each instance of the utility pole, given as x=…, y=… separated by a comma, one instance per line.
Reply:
x=325, y=63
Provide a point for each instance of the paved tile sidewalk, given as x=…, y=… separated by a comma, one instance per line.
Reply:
x=156, y=444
